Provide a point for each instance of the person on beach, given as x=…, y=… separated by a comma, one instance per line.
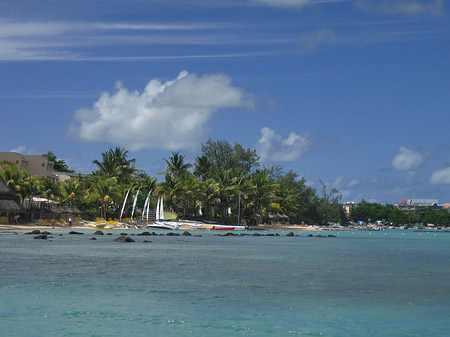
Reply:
x=53, y=223
x=16, y=218
x=70, y=221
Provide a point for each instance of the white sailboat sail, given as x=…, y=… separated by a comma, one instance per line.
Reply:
x=123, y=206
x=161, y=209
x=134, y=204
x=157, y=209
x=146, y=204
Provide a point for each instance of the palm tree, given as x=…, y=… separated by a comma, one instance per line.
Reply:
x=72, y=190
x=115, y=164
x=104, y=191
x=208, y=194
x=226, y=189
x=188, y=190
x=16, y=179
x=176, y=164
x=202, y=168
x=262, y=193
x=51, y=189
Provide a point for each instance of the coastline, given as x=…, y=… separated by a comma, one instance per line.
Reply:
x=34, y=226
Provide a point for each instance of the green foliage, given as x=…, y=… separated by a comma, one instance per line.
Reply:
x=225, y=181
x=58, y=165
x=115, y=164
x=222, y=154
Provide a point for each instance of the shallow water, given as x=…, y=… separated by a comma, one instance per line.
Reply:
x=393, y=283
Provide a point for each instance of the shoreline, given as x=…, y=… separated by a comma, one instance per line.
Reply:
x=34, y=226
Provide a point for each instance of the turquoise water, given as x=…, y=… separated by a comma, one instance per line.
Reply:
x=393, y=283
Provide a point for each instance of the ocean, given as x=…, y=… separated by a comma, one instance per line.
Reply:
x=391, y=283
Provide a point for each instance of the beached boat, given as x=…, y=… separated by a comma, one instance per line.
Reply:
x=160, y=222
x=227, y=228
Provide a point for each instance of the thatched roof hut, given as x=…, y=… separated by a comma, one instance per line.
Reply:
x=9, y=203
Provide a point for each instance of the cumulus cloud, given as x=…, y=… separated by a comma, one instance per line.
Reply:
x=407, y=159
x=440, y=177
x=272, y=147
x=171, y=115
x=408, y=7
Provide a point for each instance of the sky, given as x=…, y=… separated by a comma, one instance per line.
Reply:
x=353, y=93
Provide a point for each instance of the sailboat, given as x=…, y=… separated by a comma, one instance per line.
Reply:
x=160, y=222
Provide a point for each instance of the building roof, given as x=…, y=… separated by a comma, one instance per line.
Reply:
x=11, y=206
x=4, y=189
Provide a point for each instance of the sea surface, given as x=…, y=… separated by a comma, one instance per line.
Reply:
x=391, y=283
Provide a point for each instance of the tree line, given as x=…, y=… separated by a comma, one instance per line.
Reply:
x=422, y=215
x=225, y=181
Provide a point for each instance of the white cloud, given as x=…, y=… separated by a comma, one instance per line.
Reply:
x=310, y=42
x=407, y=159
x=273, y=148
x=353, y=182
x=440, y=177
x=408, y=7
x=66, y=41
x=19, y=149
x=171, y=115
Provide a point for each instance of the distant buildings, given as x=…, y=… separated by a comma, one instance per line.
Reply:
x=411, y=205
x=347, y=206
x=36, y=165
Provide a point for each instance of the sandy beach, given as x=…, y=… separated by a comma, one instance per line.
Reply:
x=34, y=226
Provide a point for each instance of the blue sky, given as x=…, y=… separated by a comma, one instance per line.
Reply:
x=353, y=93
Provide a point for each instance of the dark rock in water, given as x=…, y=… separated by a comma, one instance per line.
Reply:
x=60, y=235
x=37, y=231
x=290, y=234
x=75, y=233
x=108, y=233
x=186, y=233
x=99, y=233
x=230, y=234
x=41, y=236
x=172, y=234
x=124, y=238
x=93, y=239
x=270, y=234
x=244, y=234
x=123, y=234
x=147, y=241
x=144, y=234
x=320, y=236
x=310, y=235
x=276, y=234
x=46, y=233
x=198, y=236
x=161, y=234
x=256, y=234
x=154, y=234
x=331, y=236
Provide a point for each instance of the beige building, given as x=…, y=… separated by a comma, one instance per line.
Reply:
x=36, y=165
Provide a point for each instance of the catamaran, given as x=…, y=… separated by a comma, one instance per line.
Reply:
x=160, y=222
